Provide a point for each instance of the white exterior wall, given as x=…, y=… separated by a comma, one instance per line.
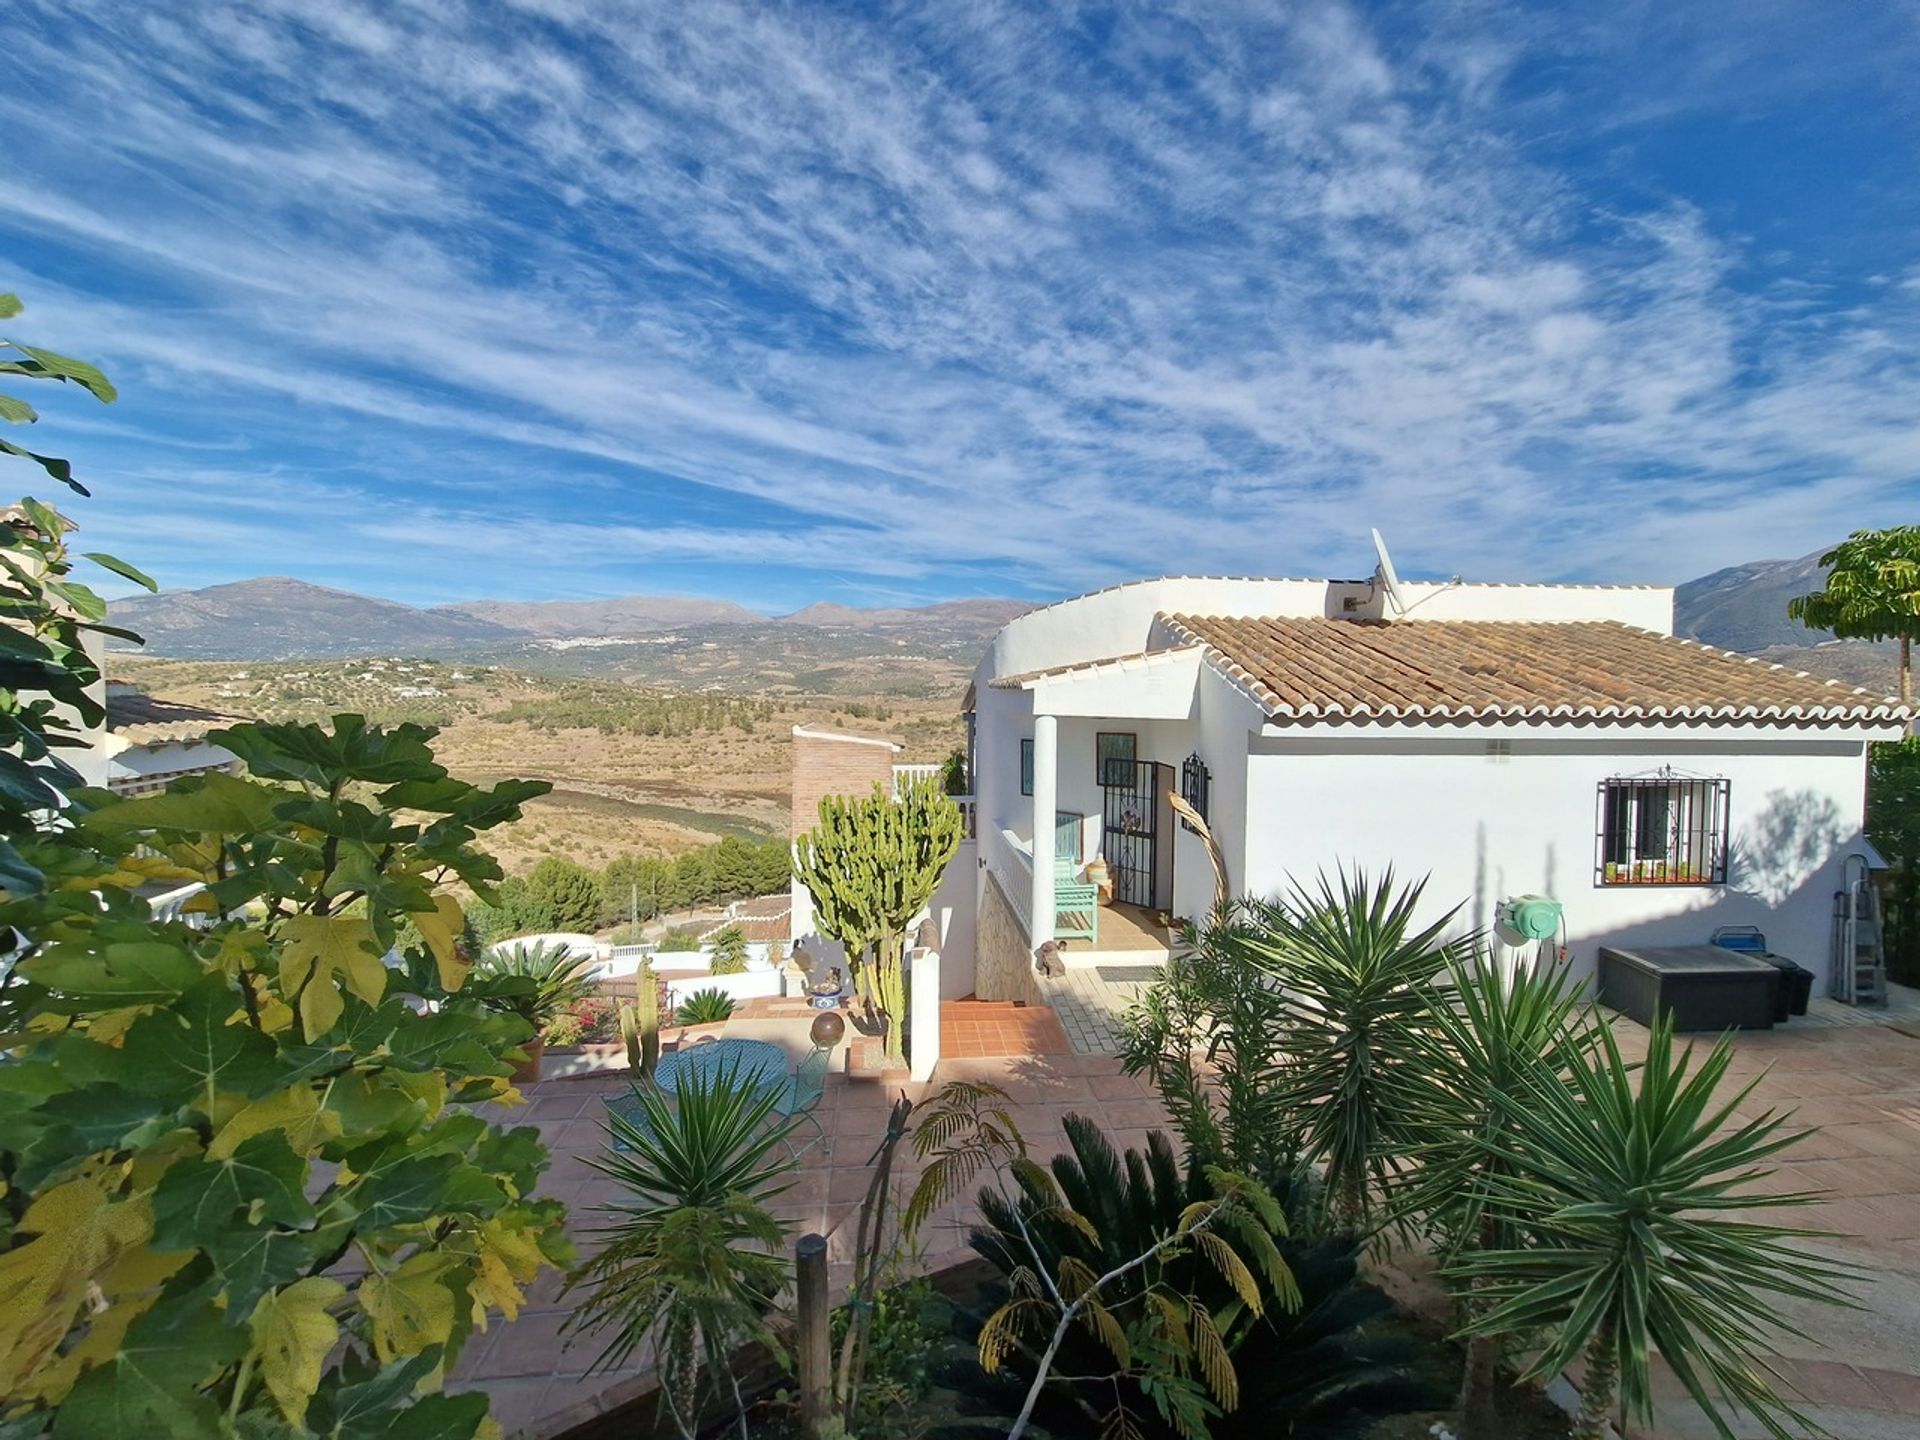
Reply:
x=1431, y=802
x=136, y=762
x=1119, y=621
x=952, y=910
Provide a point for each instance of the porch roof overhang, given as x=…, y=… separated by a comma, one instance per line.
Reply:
x=1149, y=685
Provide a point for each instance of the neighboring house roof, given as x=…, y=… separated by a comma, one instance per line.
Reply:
x=1509, y=670
x=763, y=907
x=142, y=720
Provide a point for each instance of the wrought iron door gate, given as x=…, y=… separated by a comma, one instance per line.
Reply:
x=1135, y=833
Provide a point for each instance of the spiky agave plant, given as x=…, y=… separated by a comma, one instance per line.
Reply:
x=1628, y=1181
x=1357, y=974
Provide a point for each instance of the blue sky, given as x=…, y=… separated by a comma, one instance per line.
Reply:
x=892, y=304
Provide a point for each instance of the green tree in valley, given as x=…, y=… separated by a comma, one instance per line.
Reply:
x=568, y=893
x=1872, y=593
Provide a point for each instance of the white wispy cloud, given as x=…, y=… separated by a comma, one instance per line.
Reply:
x=558, y=298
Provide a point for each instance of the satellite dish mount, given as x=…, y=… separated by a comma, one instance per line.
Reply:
x=1386, y=581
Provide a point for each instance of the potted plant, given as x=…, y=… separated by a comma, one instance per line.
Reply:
x=535, y=982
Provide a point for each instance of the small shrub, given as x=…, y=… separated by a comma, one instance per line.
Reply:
x=730, y=952
x=705, y=1007
x=589, y=1020
x=680, y=942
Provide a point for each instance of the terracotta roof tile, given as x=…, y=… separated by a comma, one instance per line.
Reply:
x=1510, y=669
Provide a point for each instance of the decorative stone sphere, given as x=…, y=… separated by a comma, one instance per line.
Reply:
x=828, y=1029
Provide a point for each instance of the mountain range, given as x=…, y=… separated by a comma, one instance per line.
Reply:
x=683, y=639
x=674, y=641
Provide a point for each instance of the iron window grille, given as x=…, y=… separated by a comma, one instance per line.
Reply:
x=1196, y=787
x=1114, y=754
x=1665, y=829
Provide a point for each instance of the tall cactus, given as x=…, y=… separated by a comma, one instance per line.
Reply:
x=872, y=865
x=640, y=1024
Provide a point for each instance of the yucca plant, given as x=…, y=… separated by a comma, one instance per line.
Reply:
x=695, y=1264
x=1357, y=976
x=704, y=1007
x=1627, y=1181
x=535, y=982
x=1494, y=1026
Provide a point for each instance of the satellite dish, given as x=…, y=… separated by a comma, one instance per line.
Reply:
x=1385, y=578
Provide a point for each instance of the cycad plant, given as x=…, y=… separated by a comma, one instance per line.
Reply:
x=1629, y=1181
x=695, y=1263
x=535, y=982
x=1200, y=1360
x=1357, y=975
x=1495, y=1025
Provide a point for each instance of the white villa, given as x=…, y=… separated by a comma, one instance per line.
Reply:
x=1498, y=740
x=1501, y=740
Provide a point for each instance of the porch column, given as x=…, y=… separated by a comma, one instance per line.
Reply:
x=1046, y=786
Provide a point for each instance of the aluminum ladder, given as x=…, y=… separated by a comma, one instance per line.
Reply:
x=1858, y=972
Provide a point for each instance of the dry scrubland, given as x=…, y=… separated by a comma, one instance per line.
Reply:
x=716, y=763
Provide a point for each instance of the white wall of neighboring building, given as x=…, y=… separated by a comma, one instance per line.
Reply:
x=128, y=766
x=1431, y=801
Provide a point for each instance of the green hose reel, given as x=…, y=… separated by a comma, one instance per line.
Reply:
x=1532, y=917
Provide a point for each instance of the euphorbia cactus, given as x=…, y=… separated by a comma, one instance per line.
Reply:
x=872, y=865
x=640, y=1024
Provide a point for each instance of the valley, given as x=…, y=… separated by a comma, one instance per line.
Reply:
x=634, y=770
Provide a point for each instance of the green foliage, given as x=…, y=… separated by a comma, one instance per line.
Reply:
x=729, y=951
x=1302, y=1364
x=1211, y=1035
x=32, y=363
x=614, y=709
x=200, y=1124
x=1125, y=1288
x=179, y=1093
x=1893, y=824
x=683, y=941
x=508, y=913
x=1872, y=592
x=1628, y=1182
x=640, y=1023
x=704, y=1007
x=728, y=869
x=694, y=1262
x=871, y=866
x=953, y=774
x=568, y=894
x=1357, y=978
x=535, y=982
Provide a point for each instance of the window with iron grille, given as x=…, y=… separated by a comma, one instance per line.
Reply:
x=1665, y=829
x=1026, y=767
x=1196, y=785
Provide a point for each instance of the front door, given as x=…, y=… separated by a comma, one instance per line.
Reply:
x=1136, y=832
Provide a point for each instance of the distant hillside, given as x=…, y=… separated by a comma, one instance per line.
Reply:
x=672, y=641
x=633, y=615
x=275, y=618
x=1744, y=608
